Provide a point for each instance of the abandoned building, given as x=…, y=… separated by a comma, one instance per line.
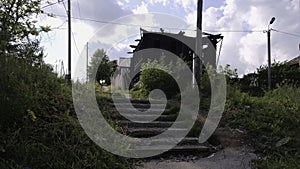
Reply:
x=295, y=62
x=129, y=68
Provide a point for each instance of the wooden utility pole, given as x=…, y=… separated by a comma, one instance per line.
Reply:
x=68, y=76
x=198, y=50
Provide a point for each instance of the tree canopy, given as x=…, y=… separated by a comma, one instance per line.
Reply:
x=101, y=68
x=18, y=30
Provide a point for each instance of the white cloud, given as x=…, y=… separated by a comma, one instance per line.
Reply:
x=191, y=18
x=120, y=3
x=143, y=8
x=247, y=51
x=163, y=2
x=187, y=4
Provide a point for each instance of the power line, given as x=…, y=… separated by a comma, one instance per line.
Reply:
x=74, y=40
x=78, y=6
x=225, y=31
x=287, y=33
x=60, y=26
x=51, y=4
x=79, y=11
x=65, y=8
x=135, y=25
x=75, y=44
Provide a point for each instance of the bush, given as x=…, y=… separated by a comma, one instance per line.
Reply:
x=25, y=87
x=153, y=76
x=158, y=79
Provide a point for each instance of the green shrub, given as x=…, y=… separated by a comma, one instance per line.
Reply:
x=158, y=79
x=25, y=87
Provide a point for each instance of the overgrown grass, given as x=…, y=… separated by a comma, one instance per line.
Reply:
x=39, y=128
x=272, y=122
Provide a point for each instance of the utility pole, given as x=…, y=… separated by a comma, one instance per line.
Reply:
x=87, y=61
x=269, y=60
x=62, y=69
x=68, y=76
x=269, y=54
x=198, y=50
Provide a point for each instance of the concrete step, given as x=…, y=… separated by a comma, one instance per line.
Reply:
x=137, y=101
x=170, y=140
x=150, y=132
x=137, y=110
x=143, y=117
x=198, y=150
x=187, y=146
x=139, y=105
x=159, y=124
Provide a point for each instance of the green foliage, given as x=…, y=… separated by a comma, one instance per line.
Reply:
x=272, y=122
x=205, y=82
x=228, y=72
x=158, y=79
x=157, y=75
x=139, y=92
x=23, y=87
x=17, y=23
x=282, y=74
x=56, y=142
x=286, y=162
x=100, y=67
x=37, y=122
x=38, y=127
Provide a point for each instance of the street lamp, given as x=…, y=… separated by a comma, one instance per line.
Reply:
x=269, y=52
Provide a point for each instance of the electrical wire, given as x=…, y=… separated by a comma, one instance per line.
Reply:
x=170, y=28
x=74, y=40
x=134, y=25
x=287, y=33
x=218, y=59
x=65, y=8
x=78, y=6
x=75, y=44
x=51, y=4
x=60, y=26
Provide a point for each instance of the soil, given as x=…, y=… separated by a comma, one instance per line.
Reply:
x=235, y=154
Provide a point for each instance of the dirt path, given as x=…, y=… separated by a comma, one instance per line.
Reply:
x=235, y=155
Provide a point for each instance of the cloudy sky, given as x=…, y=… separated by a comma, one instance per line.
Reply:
x=241, y=22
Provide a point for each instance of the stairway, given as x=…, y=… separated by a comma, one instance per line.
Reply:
x=188, y=146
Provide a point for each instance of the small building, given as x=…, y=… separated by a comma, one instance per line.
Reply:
x=170, y=42
x=121, y=77
x=295, y=62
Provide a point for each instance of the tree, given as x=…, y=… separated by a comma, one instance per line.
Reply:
x=18, y=29
x=17, y=21
x=282, y=74
x=100, y=67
